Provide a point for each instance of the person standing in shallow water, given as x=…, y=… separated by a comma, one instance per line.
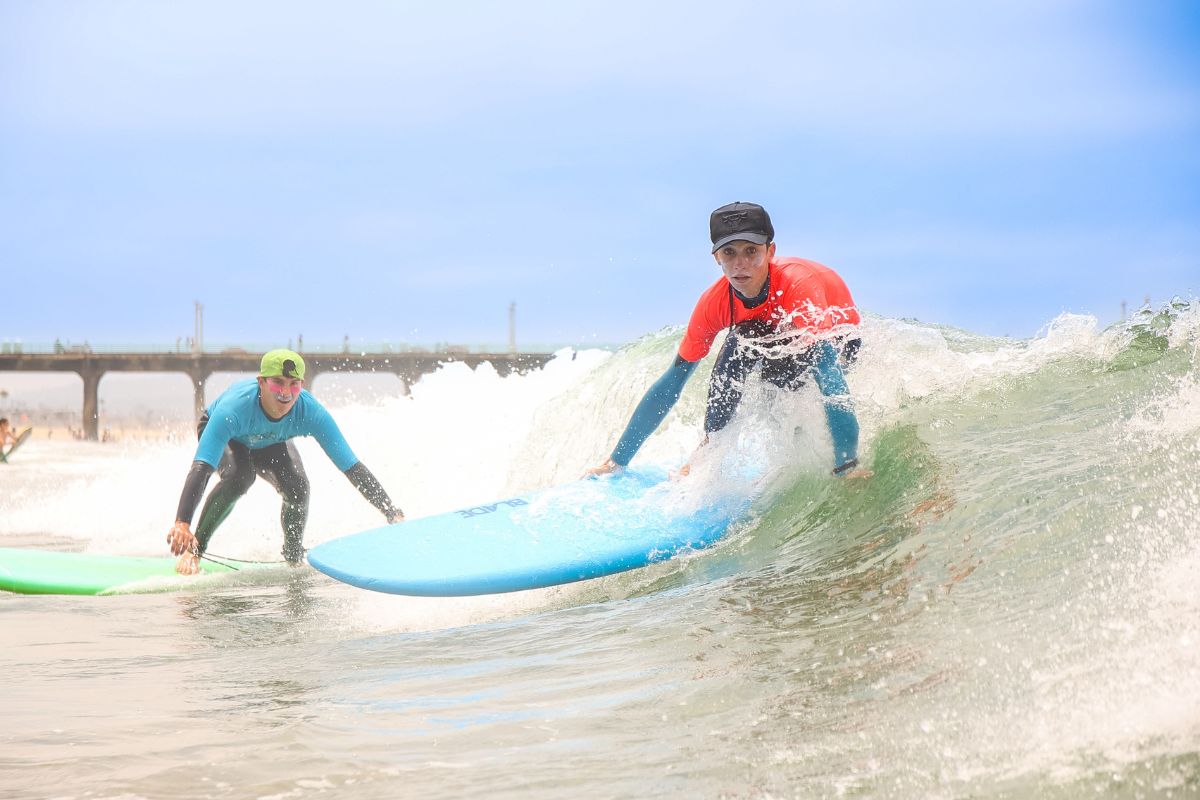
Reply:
x=8, y=437
x=7, y=434
x=247, y=433
x=765, y=304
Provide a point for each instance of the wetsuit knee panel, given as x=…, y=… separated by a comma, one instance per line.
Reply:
x=294, y=486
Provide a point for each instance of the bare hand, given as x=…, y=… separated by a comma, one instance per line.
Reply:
x=394, y=517
x=188, y=564
x=181, y=539
x=682, y=472
x=686, y=469
x=607, y=468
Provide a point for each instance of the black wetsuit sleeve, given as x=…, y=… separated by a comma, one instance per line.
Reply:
x=193, y=490
x=368, y=485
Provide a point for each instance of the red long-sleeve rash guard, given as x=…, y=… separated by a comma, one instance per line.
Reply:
x=804, y=295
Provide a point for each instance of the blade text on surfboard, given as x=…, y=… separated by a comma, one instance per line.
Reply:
x=488, y=509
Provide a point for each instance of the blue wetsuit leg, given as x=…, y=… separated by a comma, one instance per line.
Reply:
x=659, y=400
x=839, y=411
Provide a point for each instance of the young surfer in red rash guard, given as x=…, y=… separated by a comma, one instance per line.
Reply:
x=800, y=309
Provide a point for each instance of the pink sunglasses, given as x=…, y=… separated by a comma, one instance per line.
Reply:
x=282, y=387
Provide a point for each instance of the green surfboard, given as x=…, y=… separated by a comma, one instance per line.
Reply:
x=48, y=572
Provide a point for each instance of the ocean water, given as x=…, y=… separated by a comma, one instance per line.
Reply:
x=1008, y=608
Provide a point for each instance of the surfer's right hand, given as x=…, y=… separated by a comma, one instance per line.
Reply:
x=686, y=469
x=181, y=539
x=607, y=468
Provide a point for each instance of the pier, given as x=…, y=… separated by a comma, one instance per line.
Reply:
x=409, y=366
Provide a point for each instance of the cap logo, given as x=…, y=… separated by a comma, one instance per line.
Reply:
x=289, y=368
x=734, y=218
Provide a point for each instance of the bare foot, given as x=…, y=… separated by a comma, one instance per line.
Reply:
x=607, y=468
x=188, y=564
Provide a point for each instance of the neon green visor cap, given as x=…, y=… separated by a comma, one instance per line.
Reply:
x=282, y=364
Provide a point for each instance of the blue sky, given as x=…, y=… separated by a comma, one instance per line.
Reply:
x=401, y=171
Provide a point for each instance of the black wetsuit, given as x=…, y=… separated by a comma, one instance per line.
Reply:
x=749, y=344
x=280, y=465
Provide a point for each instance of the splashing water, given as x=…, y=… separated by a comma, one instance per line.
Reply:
x=1008, y=608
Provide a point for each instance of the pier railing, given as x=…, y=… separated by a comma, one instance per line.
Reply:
x=185, y=346
x=92, y=364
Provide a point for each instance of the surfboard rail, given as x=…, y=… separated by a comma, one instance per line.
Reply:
x=573, y=532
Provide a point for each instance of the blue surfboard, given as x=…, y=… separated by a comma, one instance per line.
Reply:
x=580, y=530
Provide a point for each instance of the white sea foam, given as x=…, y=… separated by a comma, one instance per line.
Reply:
x=447, y=445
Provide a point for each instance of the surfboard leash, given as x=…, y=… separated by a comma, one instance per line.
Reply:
x=228, y=561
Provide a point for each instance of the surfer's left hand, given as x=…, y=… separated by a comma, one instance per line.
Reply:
x=682, y=472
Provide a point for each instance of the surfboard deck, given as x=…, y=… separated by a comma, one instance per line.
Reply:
x=580, y=530
x=21, y=437
x=27, y=571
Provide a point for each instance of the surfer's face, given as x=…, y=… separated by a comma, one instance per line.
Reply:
x=745, y=265
x=278, y=395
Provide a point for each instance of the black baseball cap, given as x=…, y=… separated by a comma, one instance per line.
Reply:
x=740, y=221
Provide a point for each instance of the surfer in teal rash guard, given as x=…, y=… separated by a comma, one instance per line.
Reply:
x=792, y=316
x=245, y=433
